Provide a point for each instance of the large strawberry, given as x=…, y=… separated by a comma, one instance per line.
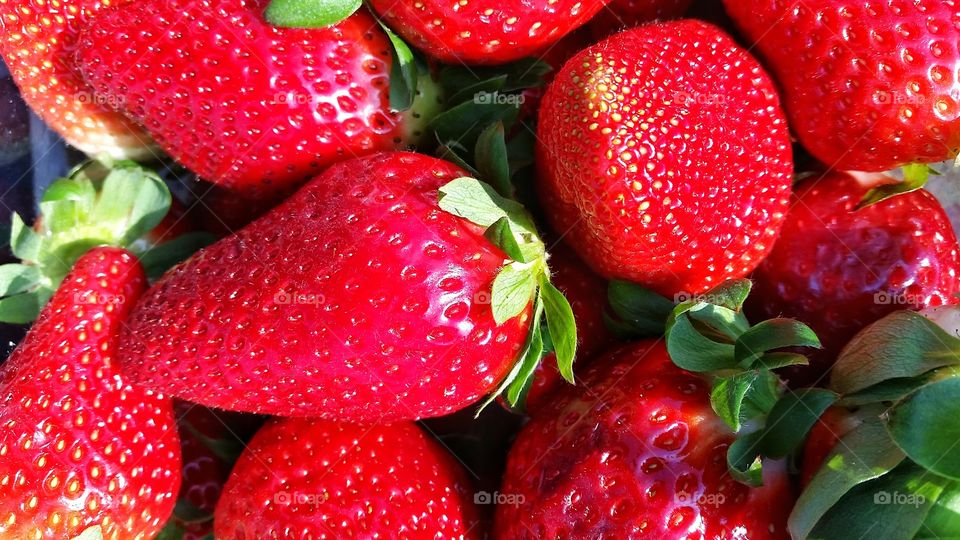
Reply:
x=257, y=108
x=37, y=42
x=838, y=267
x=483, y=31
x=664, y=157
x=634, y=451
x=80, y=447
x=359, y=298
x=310, y=478
x=868, y=85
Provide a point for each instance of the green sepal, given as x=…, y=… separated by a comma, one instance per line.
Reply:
x=309, y=13
x=744, y=461
x=23, y=308
x=404, y=71
x=24, y=242
x=512, y=290
x=563, y=327
x=791, y=418
x=227, y=450
x=925, y=426
x=887, y=391
x=772, y=334
x=728, y=394
x=635, y=311
x=17, y=278
x=491, y=159
x=691, y=350
x=466, y=121
x=915, y=176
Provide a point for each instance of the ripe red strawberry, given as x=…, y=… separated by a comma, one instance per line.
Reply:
x=664, y=157
x=357, y=299
x=869, y=86
x=839, y=269
x=37, y=42
x=311, y=478
x=257, y=108
x=81, y=447
x=634, y=451
x=620, y=14
x=484, y=31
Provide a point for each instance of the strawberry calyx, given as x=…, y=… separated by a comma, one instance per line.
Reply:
x=915, y=176
x=99, y=203
x=523, y=280
x=901, y=377
x=309, y=13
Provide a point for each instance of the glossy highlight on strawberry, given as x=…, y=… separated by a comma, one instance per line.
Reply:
x=80, y=446
x=357, y=299
x=659, y=168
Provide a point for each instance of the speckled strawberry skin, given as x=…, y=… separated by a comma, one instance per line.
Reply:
x=357, y=299
x=256, y=108
x=634, y=451
x=79, y=446
x=869, y=85
x=658, y=167
x=312, y=478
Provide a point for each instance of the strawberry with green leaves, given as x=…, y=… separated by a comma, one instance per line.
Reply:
x=869, y=86
x=391, y=287
x=664, y=157
x=312, y=478
x=253, y=107
x=81, y=448
x=885, y=461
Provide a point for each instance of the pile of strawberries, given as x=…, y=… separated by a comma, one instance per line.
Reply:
x=565, y=269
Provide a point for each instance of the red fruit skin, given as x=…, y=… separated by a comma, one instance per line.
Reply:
x=484, y=32
x=38, y=41
x=312, y=478
x=620, y=14
x=658, y=166
x=256, y=108
x=357, y=299
x=556, y=55
x=838, y=270
x=634, y=451
x=79, y=445
x=869, y=86
x=586, y=293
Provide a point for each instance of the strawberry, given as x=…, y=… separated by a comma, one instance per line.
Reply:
x=677, y=179
x=482, y=31
x=311, y=478
x=37, y=42
x=839, y=268
x=869, y=86
x=620, y=14
x=360, y=298
x=253, y=107
x=634, y=451
x=81, y=447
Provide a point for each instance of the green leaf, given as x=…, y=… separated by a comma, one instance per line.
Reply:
x=22, y=308
x=309, y=13
x=925, y=426
x=865, y=453
x=465, y=122
x=891, y=507
x=728, y=394
x=476, y=201
x=491, y=159
x=159, y=259
x=24, y=242
x=513, y=289
x=93, y=532
x=170, y=531
x=501, y=235
x=943, y=521
x=791, y=418
x=915, y=176
x=403, y=72
x=518, y=389
x=17, y=278
x=643, y=312
x=892, y=390
x=743, y=460
x=728, y=323
x=562, y=326
x=134, y=199
x=476, y=90
x=454, y=152
x=901, y=345
x=731, y=294
x=772, y=334
x=777, y=360
x=692, y=351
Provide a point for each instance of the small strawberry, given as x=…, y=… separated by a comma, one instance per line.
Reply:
x=838, y=267
x=360, y=298
x=256, y=108
x=80, y=447
x=620, y=14
x=869, y=86
x=634, y=451
x=37, y=42
x=482, y=31
x=311, y=478
x=664, y=157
